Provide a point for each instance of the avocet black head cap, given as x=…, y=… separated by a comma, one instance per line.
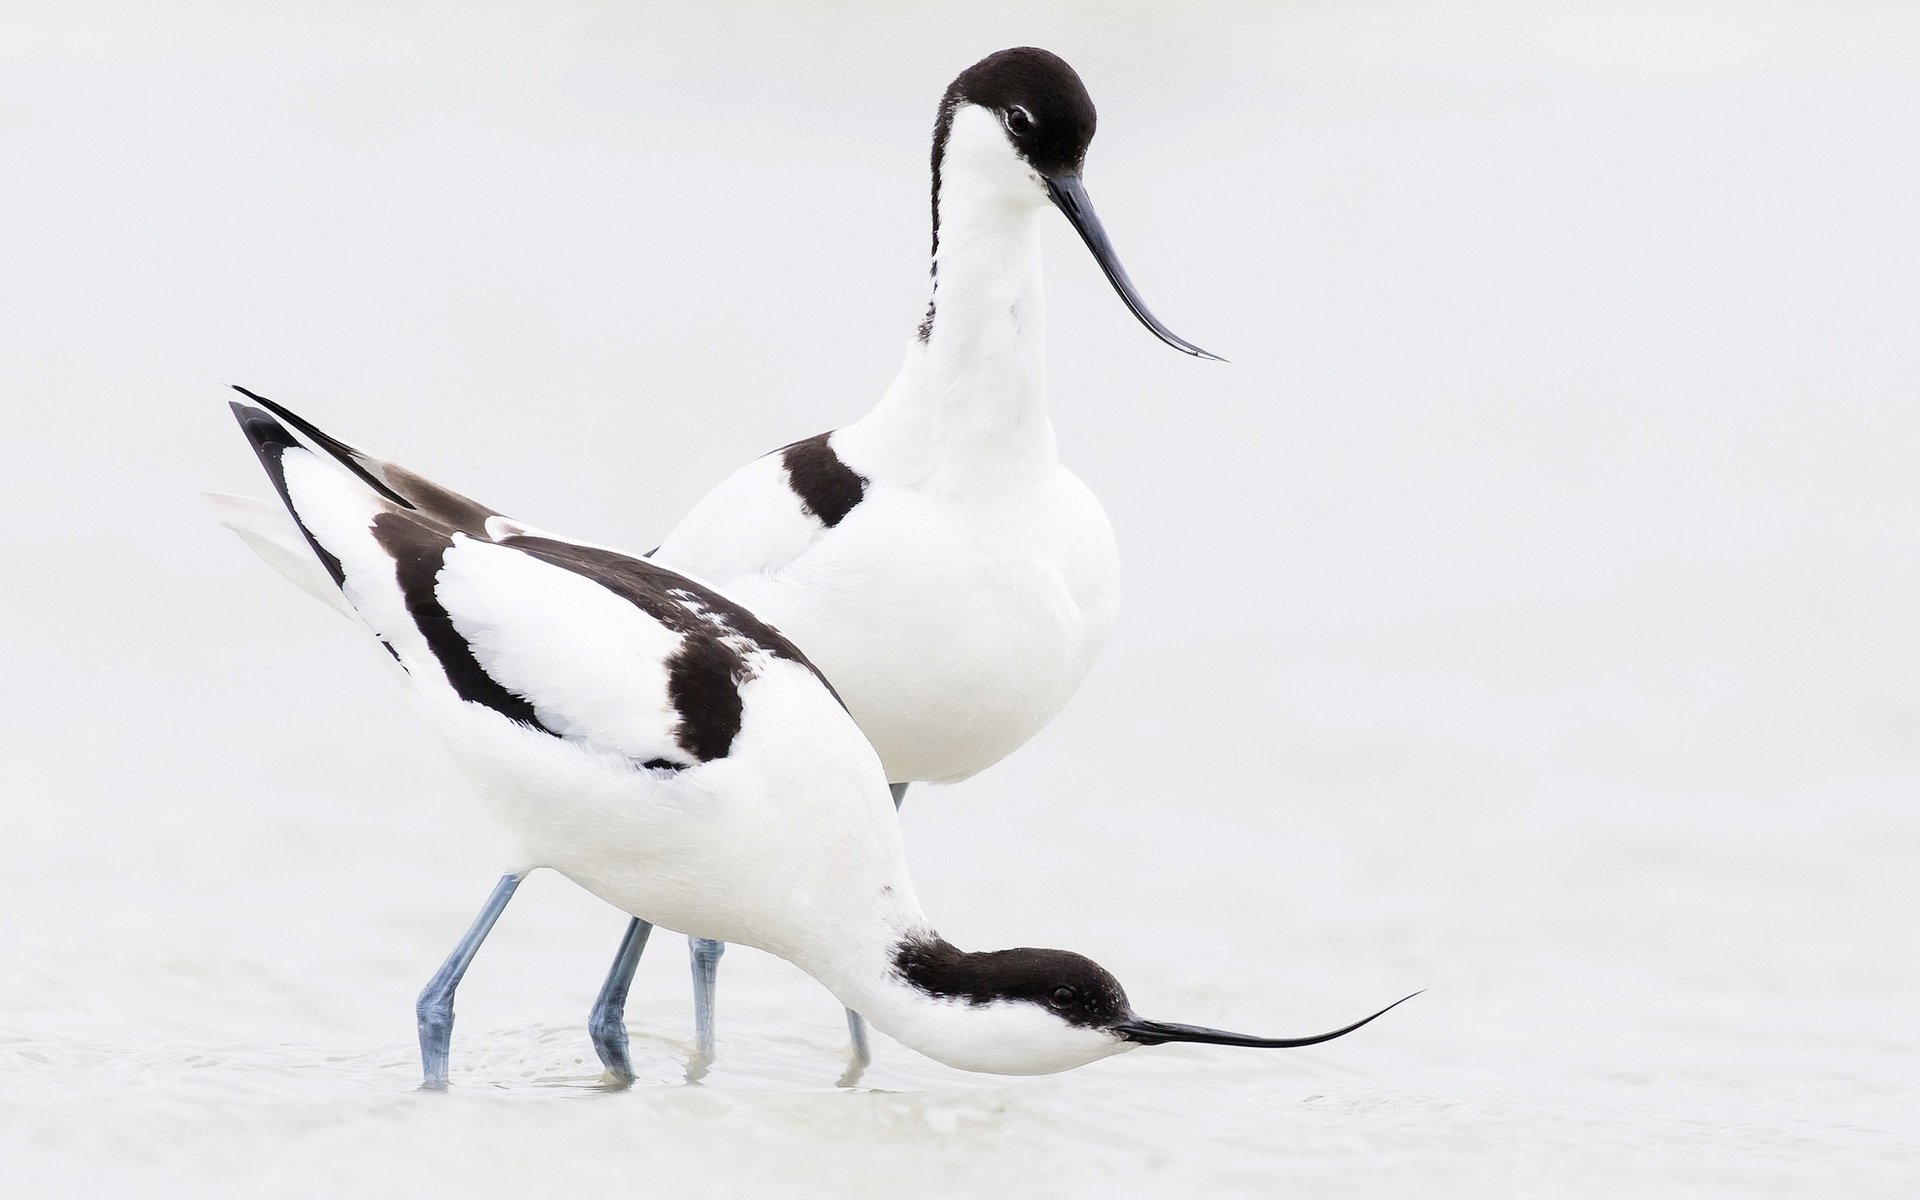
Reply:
x=1047, y=120
x=1039, y=101
x=1038, y=1011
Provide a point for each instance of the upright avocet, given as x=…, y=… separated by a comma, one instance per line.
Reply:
x=675, y=755
x=945, y=571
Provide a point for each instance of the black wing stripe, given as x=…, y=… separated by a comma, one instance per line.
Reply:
x=703, y=685
x=717, y=636
x=347, y=456
x=828, y=488
x=662, y=594
x=419, y=551
x=704, y=675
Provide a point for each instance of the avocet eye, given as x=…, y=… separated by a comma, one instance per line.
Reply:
x=1019, y=121
x=1063, y=997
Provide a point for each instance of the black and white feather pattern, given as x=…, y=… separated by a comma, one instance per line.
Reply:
x=570, y=640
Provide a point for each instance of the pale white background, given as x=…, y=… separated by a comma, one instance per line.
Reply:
x=1526, y=613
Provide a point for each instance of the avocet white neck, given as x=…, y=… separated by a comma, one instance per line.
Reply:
x=971, y=396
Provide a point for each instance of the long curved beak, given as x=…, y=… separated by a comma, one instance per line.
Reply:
x=1153, y=1033
x=1070, y=196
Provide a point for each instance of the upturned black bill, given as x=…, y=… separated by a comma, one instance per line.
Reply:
x=1070, y=196
x=1153, y=1033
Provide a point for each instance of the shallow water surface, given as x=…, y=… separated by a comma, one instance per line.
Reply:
x=1549, y=1054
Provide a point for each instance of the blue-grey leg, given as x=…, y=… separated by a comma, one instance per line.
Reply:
x=856, y=1027
x=435, y=1006
x=706, y=968
x=608, y=1024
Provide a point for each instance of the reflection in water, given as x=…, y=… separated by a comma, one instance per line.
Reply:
x=698, y=1064
x=857, y=1062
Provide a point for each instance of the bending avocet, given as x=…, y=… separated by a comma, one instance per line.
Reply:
x=670, y=752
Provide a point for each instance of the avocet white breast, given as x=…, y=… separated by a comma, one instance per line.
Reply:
x=673, y=754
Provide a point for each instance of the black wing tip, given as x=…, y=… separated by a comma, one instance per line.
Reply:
x=264, y=406
x=285, y=414
x=342, y=453
x=266, y=418
x=279, y=410
x=261, y=429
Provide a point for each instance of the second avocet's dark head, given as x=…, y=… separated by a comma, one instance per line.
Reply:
x=1014, y=128
x=1033, y=1012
